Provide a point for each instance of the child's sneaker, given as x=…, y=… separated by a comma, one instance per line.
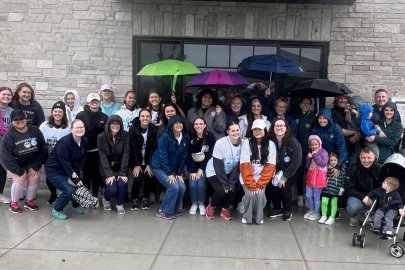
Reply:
x=210, y=212
x=201, y=208
x=226, y=214
x=30, y=204
x=330, y=221
x=307, y=214
x=323, y=219
x=314, y=216
x=15, y=208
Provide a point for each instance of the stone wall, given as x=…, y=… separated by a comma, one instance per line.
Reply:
x=60, y=44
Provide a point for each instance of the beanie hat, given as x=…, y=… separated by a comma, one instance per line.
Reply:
x=59, y=105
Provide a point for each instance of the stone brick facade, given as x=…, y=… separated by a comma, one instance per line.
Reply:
x=60, y=44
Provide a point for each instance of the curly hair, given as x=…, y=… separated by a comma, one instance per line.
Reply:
x=287, y=136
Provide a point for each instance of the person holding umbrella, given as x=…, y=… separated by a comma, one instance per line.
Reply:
x=208, y=108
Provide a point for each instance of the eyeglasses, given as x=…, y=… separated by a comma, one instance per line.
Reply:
x=279, y=126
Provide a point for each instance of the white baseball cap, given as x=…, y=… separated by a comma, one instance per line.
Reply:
x=259, y=123
x=106, y=87
x=93, y=96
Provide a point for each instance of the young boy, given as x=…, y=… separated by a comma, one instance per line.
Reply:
x=389, y=201
x=367, y=126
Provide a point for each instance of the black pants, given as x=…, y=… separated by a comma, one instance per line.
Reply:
x=51, y=187
x=91, y=172
x=146, y=180
x=3, y=176
x=220, y=197
x=301, y=175
x=283, y=195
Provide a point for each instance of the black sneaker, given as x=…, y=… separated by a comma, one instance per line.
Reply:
x=135, y=205
x=287, y=215
x=145, y=204
x=52, y=198
x=273, y=213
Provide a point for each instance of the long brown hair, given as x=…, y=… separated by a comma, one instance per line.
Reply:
x=21, y=86
x=287, y=136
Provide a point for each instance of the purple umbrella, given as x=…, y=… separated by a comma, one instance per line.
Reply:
x=218, y=78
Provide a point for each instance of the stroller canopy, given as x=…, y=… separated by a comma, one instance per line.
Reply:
x=395, y=166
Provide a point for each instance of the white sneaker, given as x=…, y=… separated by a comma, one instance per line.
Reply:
x=307, y=214
x=193, y=209
x=330, y=221
x=4, y=199
x=241, y=208
x=106, y=205
x=201, y=208
x=300, y=202
x=244, y=221
x=323, y=219
x=313, y=216
x=120, y=209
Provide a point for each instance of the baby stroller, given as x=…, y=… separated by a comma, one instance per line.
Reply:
x=393, y=166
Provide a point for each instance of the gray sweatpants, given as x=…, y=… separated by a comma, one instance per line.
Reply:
x=389, y=219
x=254, y=205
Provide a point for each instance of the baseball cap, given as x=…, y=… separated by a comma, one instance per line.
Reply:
x=93, y=96
x=106, y=87
x=17, y=114
x=259, y=123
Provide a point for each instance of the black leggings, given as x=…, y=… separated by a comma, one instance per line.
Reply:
x=220, y=197
x=91, y=172
x=283, y=195
x=51, y=187
x=3, y=176
x=144, y=178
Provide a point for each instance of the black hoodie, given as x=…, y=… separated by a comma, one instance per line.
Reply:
x=94, y=123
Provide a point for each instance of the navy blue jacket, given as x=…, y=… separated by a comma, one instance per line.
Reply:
x=332, y=137
x=170, y=156
x=387, y=201
x=67, y=157
x=195, y=147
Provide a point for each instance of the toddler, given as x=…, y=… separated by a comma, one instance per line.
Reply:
x=332, y=192
x=389, y=203
x=368, y=128
x=316, y=162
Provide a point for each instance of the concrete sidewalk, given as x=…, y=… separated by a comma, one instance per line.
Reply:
x=138, y=240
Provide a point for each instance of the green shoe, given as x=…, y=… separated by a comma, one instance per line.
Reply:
x=78, y=210
x=59, y=214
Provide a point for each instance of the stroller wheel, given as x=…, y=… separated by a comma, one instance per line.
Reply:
x=354, y=239
x=362, y=241
x=396, y=250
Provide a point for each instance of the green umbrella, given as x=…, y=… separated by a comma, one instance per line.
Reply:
x=169, y=67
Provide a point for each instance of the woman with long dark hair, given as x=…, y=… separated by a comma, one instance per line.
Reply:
x=24, y=99
x=56, y=127
x=208, y=108
x=289, y=157
x=254, y=112
x=257, y=167
x=200, y=151
x=113, y=148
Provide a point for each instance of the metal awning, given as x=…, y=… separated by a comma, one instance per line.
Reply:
x=319, y=2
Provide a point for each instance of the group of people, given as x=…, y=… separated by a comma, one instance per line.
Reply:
x=241, y=154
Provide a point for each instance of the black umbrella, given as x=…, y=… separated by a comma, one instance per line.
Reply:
x=317, y=88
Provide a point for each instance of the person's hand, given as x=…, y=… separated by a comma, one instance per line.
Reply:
x=173, y=98
x=74, y=175
x=226, y=190
x=171, y=178
x=281, y=184
x=136, y=171
x=340, y=193
x=366, y=200
x=193, y=176
x=355, y=138
x=79, y=184
x=200, y=173
x=335, y=173
x=32, y=173
x=382, y=134
x=148, y=170
x=180, y=178
x=310, y=155
x=218, y=110
x=267, y=92
x=402, y=212
x=124, y=178
x=110, y=180
x=370, y=138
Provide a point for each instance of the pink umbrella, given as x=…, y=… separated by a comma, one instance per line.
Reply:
x=218, y=78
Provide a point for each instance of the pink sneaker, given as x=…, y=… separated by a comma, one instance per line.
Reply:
x=210, y=212
x=30, y=204
x=15, y=208
x=226, y=214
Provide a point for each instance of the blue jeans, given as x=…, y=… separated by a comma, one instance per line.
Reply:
x=116, y=189
x=197, y=189
x=354, y=206
x=313, y=196
x=171, y=203
x=61, y=183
